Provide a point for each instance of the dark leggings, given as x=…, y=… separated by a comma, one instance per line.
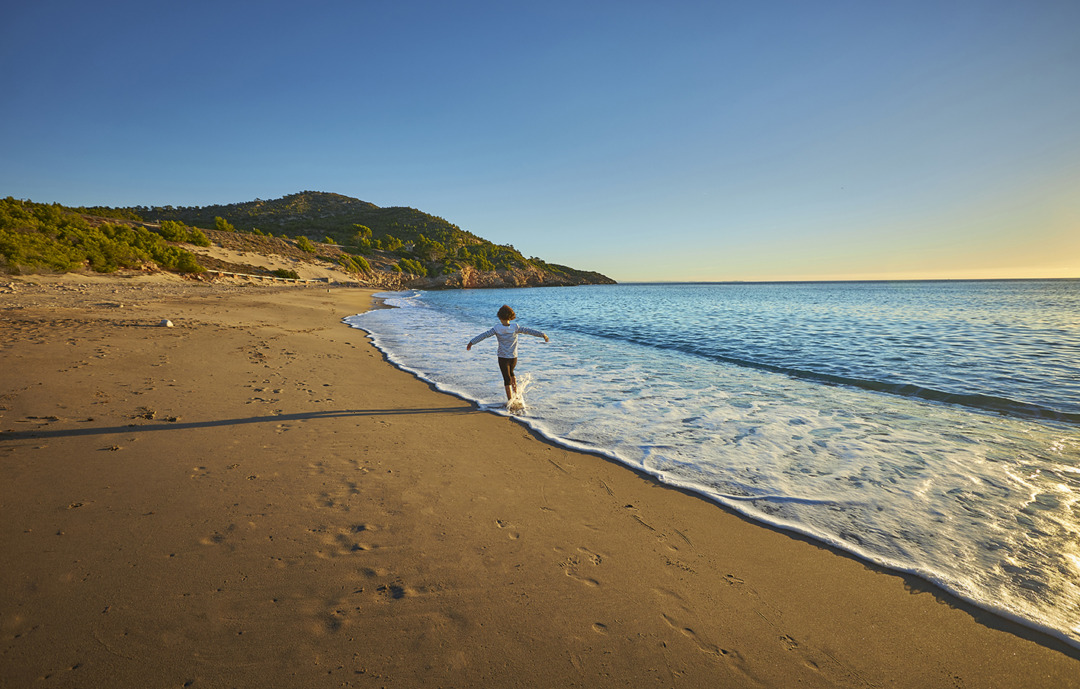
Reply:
x=506, y=367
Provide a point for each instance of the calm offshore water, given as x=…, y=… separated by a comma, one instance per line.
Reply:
x=931, y=427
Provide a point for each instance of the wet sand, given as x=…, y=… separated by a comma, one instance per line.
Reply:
x=255, y=498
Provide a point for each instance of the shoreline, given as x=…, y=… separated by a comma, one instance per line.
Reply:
x=297, y=506
x=946, y=593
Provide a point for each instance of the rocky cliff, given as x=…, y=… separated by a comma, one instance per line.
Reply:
x=471, y=278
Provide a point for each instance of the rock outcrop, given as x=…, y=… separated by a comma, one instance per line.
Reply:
x=471, y=278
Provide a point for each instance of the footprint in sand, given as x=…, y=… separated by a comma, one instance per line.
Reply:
x=573, y=565
x=335, y=613
x=344, y=541
x=719, y=654
x=677, y=616
x=394, y=591
x=219, y=538
x=512, y=534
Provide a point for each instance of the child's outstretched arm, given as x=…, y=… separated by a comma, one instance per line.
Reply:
x=534, y=333
x=481, y=336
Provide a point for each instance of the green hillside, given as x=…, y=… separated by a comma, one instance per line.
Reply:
x=429, y=244
x=360, y=237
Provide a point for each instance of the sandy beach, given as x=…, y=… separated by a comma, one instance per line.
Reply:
x=255, y=498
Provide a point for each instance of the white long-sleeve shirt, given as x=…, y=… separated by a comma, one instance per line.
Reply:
x=508, y=338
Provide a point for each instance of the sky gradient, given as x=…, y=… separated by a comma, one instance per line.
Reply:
x=664, y=140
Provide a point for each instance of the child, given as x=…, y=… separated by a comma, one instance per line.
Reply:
x=508, y=341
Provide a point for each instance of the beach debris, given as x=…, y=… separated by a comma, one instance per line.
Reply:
x=165, y=323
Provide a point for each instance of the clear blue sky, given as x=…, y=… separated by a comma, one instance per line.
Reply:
x=658, y=140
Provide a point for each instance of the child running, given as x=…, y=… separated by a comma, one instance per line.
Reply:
x=508, y=342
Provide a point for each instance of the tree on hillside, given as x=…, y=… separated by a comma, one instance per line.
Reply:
x=363, y=246
x=223, y=225
x=429, y=250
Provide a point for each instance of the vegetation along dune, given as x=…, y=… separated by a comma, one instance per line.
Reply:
x=309, y=235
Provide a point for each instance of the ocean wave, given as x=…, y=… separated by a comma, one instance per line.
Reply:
x=991, y=403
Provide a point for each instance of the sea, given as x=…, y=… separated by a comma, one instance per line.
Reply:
x=932, y=428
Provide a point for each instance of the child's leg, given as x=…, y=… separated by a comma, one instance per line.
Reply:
x=506, y=367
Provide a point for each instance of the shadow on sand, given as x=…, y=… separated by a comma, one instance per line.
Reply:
x=41, y=433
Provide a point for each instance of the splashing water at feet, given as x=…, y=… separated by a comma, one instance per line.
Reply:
x=516, y=404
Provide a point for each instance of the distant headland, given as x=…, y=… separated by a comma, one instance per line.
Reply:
x=300, y=236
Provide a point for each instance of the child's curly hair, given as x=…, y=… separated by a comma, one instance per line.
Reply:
x=506, y=313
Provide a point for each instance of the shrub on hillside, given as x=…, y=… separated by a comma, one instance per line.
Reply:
x=173, y=231
x=408, y=265
x=179, y=232
x=198, y=237
x=354, y=264
x=37, y=236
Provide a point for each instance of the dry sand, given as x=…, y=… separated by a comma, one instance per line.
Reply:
x=255, y=498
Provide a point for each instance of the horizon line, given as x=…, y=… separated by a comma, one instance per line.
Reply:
x=817, y=280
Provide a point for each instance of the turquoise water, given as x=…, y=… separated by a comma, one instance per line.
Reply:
x=930, y=427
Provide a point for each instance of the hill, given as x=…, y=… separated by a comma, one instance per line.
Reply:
x=383, y=247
